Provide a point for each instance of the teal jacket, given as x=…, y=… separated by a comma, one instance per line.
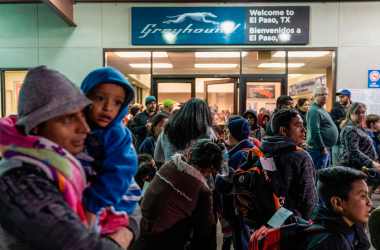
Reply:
x=321, y=129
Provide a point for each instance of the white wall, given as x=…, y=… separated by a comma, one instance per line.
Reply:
x=32, y=34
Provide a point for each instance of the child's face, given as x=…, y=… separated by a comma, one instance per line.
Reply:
x=358, y=205
x=107, y=99
x=376, y=126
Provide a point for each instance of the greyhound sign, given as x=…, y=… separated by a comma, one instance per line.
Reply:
x=219, y=25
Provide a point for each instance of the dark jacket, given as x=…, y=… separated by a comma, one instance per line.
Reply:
x=34, y=215
x=138, y=126
x=238, y=154
x=338, y=113
x=297, y=172
x=148, y=146
x=177, y=209
x=338, y=235
x=357, y=147
x=303, y=116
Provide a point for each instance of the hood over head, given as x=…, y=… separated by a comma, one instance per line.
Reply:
x=110, y=75
x=275, y=144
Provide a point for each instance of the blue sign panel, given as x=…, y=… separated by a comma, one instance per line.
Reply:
x=220, y=25
x=373, y=78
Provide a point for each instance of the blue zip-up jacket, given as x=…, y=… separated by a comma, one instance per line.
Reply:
x=113, y=151
x=238, y=154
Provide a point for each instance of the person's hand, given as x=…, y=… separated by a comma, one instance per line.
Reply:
x=123, y=237
x=376, y=165
x=324, y=151
x=148, y=125
x=91, y=219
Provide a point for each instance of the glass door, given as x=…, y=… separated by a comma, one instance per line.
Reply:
x=11, y=82
x=261, y=92
x=220, y=94
x=178, y=89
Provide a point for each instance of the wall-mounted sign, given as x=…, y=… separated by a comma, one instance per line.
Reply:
x=373, y=78
x=220, y=25
x=305, y=87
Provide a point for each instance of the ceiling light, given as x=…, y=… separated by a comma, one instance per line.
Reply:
x=280, y=65
x=155, y=65
x=215, y=65
x=295, y=75
x=140, y=54
x=215, y=54
x=301, y=53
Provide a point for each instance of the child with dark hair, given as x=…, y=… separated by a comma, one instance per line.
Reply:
x=112, y=194
x=343, y=212
x=146, y=170
x=177, y=206
x=158, y=123
x=373, y=130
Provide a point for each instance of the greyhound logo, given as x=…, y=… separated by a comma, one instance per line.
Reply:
x=195, y=16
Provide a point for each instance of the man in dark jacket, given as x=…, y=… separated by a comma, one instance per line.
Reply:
x=343, y=212
x=282, y=102
x=141, y=123
x=338, y=114
x=294, y=164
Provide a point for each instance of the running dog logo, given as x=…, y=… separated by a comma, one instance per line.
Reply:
x=195, y=16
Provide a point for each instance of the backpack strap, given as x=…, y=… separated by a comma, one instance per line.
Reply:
x=319, y=233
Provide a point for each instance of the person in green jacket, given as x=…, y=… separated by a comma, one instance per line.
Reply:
x=322, y=132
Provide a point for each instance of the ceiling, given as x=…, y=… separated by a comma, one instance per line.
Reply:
x=183, y=63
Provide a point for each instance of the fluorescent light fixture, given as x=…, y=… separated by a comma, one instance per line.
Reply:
x=140, y=54
x=280, y=65
x=155, y=65
x=295, y=75
x=301, y=53
x=216, y=54
x=215, y=65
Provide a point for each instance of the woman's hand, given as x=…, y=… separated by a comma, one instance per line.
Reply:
x=123, y=237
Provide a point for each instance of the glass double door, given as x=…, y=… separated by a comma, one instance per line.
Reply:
x=225, y=96
x=219, y=93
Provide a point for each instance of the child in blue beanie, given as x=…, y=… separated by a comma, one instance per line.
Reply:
x=112, y=193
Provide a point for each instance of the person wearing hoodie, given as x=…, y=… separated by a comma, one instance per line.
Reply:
x=343, y=211
x=112, y=194
x=177, y=206
x=294, y=164
x=238, y=141
x=41, y=180
x=256, y=131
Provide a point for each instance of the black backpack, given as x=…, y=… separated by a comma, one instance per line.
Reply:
x=258, y=193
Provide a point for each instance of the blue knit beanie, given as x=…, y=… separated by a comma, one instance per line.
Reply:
x=238, y=127
x=150, y=99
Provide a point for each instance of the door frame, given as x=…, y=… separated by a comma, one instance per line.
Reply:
x=2, y=87
x=282, y=78
x=234, y=80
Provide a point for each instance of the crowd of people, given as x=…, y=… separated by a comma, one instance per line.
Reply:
x=86, y=169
